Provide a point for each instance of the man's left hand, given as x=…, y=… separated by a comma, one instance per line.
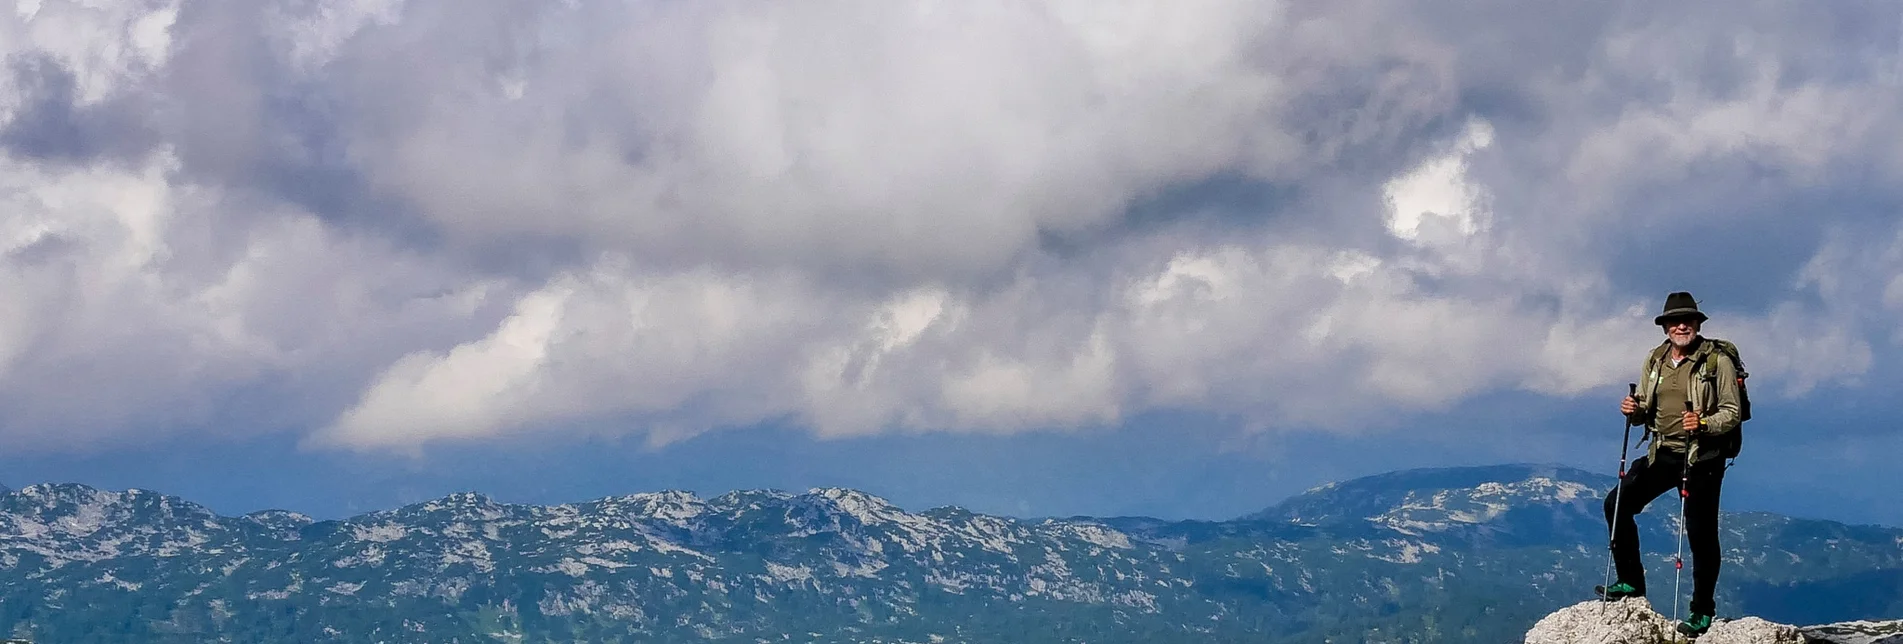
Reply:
x=1691, y=422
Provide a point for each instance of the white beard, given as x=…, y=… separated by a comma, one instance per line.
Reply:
x=1685, y=343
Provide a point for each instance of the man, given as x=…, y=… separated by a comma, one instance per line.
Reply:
x=1685, y=367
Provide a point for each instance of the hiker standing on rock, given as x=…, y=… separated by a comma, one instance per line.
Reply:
x=1686, y=368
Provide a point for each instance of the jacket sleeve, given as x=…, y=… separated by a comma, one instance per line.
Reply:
x=1725, y=417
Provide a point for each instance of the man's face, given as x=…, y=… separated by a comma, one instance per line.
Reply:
x=1682, y=330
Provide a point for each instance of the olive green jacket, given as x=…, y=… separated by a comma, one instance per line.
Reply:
x=1714, y=394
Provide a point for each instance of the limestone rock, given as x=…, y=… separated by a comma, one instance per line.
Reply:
x=1752, y=630
x=1860, y=632
x=1632, y=621
x=1627, y=621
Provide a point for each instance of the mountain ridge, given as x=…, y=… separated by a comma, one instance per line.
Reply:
x=1447, y=477
x=694, y=496
x=1409, y=553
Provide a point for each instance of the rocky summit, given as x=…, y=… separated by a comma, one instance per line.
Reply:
x=1632, y=621
x=1443, y=555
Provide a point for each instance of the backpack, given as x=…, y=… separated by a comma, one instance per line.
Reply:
x=1733, y=440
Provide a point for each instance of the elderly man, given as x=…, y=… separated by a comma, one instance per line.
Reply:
x=1686, y=367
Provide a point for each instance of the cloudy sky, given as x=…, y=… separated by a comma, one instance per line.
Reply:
x=1038, y=257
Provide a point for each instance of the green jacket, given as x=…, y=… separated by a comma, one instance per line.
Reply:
x=1714, y=393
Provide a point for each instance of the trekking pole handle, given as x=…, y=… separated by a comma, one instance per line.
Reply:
x=1685, y=475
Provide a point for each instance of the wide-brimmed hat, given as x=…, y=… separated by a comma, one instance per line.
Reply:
x=1679, y=305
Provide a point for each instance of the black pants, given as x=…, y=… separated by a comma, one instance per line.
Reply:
x=1644, y=482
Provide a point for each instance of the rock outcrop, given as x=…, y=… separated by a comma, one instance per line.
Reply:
x=1632, y=621
x=1861, y=632
x=1628, y=621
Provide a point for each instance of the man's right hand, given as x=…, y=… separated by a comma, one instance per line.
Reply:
x=1628, y=404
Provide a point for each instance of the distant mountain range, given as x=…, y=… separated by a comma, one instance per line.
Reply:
x=1441, y=555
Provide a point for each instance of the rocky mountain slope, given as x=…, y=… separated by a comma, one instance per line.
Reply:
x=1633, y=621
x=1470, y=554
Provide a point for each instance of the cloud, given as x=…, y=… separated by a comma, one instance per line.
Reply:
x=136, y=306
x=380, y=224
x=926, y=141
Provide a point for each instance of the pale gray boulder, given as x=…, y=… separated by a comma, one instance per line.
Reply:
x=1627, y=621
x=1632, y=621
x=1752, y=630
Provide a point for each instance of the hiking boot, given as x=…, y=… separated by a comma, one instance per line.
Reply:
x=1695, y=625
x=1617, y=591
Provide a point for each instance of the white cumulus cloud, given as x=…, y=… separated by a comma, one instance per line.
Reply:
x=378, y=224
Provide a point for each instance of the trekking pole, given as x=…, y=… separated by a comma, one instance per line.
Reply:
x=1618, y=494
x=1684, y=492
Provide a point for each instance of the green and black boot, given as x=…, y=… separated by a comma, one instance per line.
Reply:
x=1695, y=625
x=1617, y=592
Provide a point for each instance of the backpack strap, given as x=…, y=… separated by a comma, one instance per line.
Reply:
x=1652, y=370
x=1652, y=380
